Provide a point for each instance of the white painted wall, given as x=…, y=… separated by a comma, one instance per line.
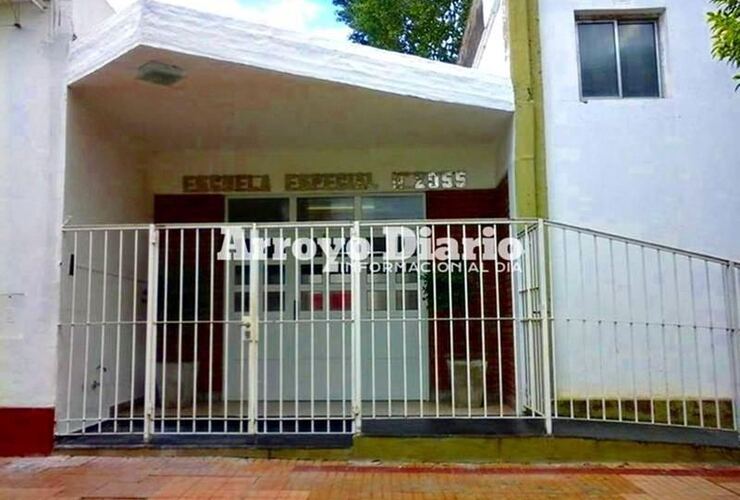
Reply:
x=494, y=51
x=32, y=65
x=660, y=169
x=87, y=14
x=105, y=177
x=663, y=170
x=105, y=183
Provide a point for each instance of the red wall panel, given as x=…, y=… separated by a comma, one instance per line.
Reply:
x=26, y=431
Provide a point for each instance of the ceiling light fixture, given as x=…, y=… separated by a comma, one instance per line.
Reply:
x=160, y=73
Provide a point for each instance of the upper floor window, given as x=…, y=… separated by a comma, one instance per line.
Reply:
x=619, y=58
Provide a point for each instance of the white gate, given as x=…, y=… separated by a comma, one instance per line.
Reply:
x=277, y=328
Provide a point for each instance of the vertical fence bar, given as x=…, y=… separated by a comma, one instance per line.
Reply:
x=118, y=330
x=545, y=318
x=151, y=332
x=179, y=328
x=196, y=324
x=733, y=316
x=134, y=325
x=599, y=325
x=695, y=329
x=356, y=366
x=451, y=315
x=264, y=265
x=343, y=268
x=327, y=333
x=212, y=258
x=371, y=276
x=467, y=322
x=103, y=325
x=647, y=333
x=244, y=338
x=679, y=340
x=435, y=300
x=254, y=326
x=85, y=366
x=711, y=339
x=163, y=384
x=418, y=323
x=281, y=341
x=666, y=371
x=73, y=269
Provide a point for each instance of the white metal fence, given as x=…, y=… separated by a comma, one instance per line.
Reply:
x=644, y=333
x=278, y=328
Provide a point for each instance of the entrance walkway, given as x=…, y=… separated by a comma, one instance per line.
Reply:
x=102, y=477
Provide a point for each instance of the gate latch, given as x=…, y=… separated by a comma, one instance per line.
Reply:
x=249, y=331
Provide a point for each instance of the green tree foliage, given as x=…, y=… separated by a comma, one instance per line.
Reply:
x=725, y=24
x=428, y=28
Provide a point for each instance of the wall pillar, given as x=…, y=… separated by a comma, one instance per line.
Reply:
x=530, y=174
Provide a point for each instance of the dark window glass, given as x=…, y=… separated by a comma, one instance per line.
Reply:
x=312, y=274
x=259, y=210
x=599, y=76
x=241, y=302
x=239, y=273
x=326, y=209
x=392, y=207
x=274, y=299
x=637, y=52
x=274, y=274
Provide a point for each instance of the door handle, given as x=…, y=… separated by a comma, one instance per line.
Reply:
x=250, y=329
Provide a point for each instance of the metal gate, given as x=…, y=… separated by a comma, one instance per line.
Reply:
x=282, y=328
x=250, y=339
x=276, y=328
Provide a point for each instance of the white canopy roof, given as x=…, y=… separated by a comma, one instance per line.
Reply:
x=262, y=86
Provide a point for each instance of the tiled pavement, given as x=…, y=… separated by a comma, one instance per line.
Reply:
x=100, y=477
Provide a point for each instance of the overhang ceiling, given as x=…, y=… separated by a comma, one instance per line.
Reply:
x=269, y=88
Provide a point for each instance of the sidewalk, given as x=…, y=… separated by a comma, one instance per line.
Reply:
x=101, y=477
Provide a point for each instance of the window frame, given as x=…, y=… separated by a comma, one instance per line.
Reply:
x=615, y=21
x=292, y=199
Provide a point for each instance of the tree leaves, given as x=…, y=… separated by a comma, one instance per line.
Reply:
x=725, y=24
x=428, y=28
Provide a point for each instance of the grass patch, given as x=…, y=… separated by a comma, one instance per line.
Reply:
x=692, y=413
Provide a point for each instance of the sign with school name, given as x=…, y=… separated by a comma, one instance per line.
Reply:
x=226, y=183
x=329, y=182
x=429, y=181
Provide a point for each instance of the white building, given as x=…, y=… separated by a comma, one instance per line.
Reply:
x=129, y=149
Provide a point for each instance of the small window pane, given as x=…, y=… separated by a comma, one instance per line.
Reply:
x=326, y=209
x=309, y=302
x=378, y=245
x=377, y=300
x=637, y=51
x=258, y=210
x=598, y=60
x=241, y=302
x=307, y=276
x=273, y=274
x=274, y=300
x=392, y=207
x=412, y=300
x=239, y=272
x=340, y=301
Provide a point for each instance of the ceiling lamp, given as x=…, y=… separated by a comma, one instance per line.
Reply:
x=160, y=73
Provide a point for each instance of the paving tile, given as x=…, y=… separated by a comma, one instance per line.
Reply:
x=222, y=478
